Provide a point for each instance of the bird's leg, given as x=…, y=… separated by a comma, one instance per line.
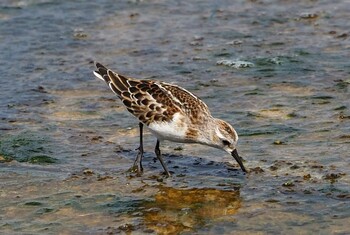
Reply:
x=138, y=161
x=159, y=156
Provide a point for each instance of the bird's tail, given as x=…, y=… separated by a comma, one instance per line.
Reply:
x=116, y=82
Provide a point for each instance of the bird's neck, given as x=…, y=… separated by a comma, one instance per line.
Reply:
x=207, y=133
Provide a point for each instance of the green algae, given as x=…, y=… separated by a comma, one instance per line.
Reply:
x=42, y=159
x=26, y=147
x=33, y=203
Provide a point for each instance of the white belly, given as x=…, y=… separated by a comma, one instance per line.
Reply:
x=174, y=131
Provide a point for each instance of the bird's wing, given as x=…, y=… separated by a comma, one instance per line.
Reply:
x=193, y=106
x=145, y=99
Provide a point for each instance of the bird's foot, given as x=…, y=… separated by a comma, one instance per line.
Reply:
x=166, y=174
x=137, y=166
x=136, y=169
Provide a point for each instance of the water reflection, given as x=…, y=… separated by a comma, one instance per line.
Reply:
x=179, y=210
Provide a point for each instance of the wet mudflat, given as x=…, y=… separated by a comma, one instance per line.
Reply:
x=277, y=71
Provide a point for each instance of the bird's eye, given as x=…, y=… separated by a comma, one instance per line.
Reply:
x=226, y=143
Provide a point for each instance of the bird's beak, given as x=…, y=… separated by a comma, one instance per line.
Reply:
x=238, y=159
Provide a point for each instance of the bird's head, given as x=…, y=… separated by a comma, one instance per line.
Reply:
x=225, y=137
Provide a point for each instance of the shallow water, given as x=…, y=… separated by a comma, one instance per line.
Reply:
x=66, y=142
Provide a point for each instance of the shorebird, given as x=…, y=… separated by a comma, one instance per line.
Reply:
x=171, y=113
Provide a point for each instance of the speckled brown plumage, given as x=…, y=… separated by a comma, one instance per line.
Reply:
x=151, y=100
x=193, y=106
